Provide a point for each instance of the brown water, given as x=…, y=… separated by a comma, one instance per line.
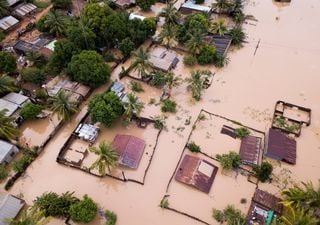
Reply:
x=285, y=67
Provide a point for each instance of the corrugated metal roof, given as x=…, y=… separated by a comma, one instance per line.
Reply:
x=11, y=107
x=130, y=150
x=250, y=149
x=16, y=98
x=5, y=149
x=7, y=22
x=24, y=9
x=10, y=206
x=163, y=59
x=196, y=7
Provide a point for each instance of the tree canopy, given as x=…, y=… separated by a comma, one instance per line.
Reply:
x=145, y=4
x=7, y=62
x=84, y=211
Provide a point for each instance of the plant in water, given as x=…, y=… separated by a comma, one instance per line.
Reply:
x=193, y=147
x=30, y=111
x=242, y=132
x=197, y=83
x=230, y=215
x=169, y=106
x=164, y=203
x=159, y=122
x=202, y=117
x=136, y=86
x=264, y=171
x=229, y=161
x=111, y=217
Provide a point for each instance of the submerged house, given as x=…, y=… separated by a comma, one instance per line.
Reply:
x=190, y=7
x=130, y=150
x=8, y=23
x=7, y=152
x=281, y=147
x=163, y=59
x=196, y=172
x=250, y=150
x=220, y=42
x=12, y=102
x=10, y=206
x=87, y=132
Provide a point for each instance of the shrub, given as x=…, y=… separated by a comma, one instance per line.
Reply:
x=193, y=147
x=111, y=217
x=230, y=215
x=3, y=173
x=237, y=36
x=22, y=164
x=33, y=75
x=7, y=62
x=242, y=132
x=264, y=171
x=221, y=61
x=83, y=211
x=229, y=161
x=136, y=86
x=30, y=111
x=164, y=203
x=169, y=106
x=189, y=60
x=207, y=55
x=41, y=26
x=159, y=79
x=41, y=94
x=218, y=215
x=61, y=4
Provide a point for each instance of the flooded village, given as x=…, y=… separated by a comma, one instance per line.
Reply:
x=143, y=112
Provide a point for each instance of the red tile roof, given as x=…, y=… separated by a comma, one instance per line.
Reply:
x=130, y=150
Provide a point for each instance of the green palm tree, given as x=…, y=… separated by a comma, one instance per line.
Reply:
x=172, y=81
x=171, y=14
x=3, y=8
x=6, y=84
x=133, y=106
x=107, y=158
x=222, y=6
x=297, y=216
x=56, y=22
x=7, y=129
x=168, y=36
x=30, y=217
x=141, y=63
x=195, y=43
x=62, y=105
x=218, y=27
x=196, y=83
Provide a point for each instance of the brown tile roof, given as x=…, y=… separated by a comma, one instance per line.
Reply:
x=197, y=173
x=130, y=150
x=250, y=150
x=267, y=200
x=281, y=147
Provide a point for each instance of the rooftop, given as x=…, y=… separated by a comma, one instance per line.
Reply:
x=16, y=98
x=10, y=206
x=250, y=150
x=196, y=7
x=163, y=59
x=5, y=149
x=9, y=106
x=7, y=22
x=87, y=132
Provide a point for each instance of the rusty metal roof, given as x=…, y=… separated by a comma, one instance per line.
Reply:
x=197, y=173
x=130, y=150
x=250, y=150
x=281, y=147
x=268, y=200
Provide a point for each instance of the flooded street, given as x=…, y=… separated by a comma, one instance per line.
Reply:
x=284, y=66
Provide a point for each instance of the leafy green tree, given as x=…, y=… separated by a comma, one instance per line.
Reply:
x=41, y=24
x=141, y=63
x=30, y=217
x=189, y=60
x=63, y=52
x=107, y=158
x=116, y=29
x=132, y=107
x=52, y=204
x=56, y=23
x=168, y=36
x=237, y=36
x=22, y=164
x=7, y=129
x=89, y=68
x=37, y=58
x=195, y=43
x=297, y=216
x=61, y=4
x=62, y=105
x=33, y=75
x=4, y=8
x=218, y=27
x=140, y=30
x=106, y=108
x=197, y=22
x=81, y=36
x=7, y=62
x=207, y=54
x=30, y=111
x=126, y=46
x=7, y=84
x=171, y=14
x=242, y=132
x=230, y=216
x=84, y=211
x=111, y=217
x=229, y=161
x=145, y=4
x=197, y=81
x=264, y=171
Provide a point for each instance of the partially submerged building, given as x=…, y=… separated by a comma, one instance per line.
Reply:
x=281, y=147
x=130, y=150
x=264, y=208
x=24, y=9
x=196, y=172
x=87, y=132
x=7, y=152
x=163, y=59
x=190, y=7
x=250, y=149
x=8, y=23
x=12, y=102
x=220, y=42
x=10, y=206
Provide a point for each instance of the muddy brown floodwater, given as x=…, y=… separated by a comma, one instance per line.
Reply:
x=284, y=67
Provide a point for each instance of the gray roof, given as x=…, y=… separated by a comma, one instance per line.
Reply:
x=5, y=149
x=16, y=98
x=24, y=9
x=12, y=2
x=163, y=59
x=7, y=22
x=10, y=206
x=191, y=5
x=11, y=107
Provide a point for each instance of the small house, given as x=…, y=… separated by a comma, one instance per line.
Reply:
x=196, y=172
x=250, y=150
x=220, y=42
x=130, y=150
x=7, y=152
x=10, y=206
x=163, y=59
x=8, y=23
x=12, y=102
x=24, y=9
x=190, y=7
x=87, y=132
